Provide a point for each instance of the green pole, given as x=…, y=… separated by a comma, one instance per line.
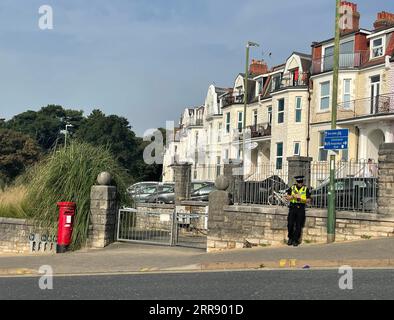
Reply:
x=246, y=84
x=245, y=99
x=331, y=214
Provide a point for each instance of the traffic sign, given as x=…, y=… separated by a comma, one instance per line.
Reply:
x=336, y=139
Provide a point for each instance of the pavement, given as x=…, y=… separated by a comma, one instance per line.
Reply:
x=137, y=258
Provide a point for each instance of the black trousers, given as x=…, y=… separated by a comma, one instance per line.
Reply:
x=296, y=222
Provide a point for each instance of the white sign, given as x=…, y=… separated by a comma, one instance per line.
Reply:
x=164, y=217
x=252, y=145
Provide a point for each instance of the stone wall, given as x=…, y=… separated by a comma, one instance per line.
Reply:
x=242, y=226
x=21, y=236
x=14, y=235
x=386, y=179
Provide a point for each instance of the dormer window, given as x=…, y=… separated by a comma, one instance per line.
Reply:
x=377, y=48
x=276, y=82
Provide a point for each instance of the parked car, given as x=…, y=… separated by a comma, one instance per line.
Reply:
x=168, y=196
x=144, y=191
x=202, y=194
x=135, y=188
x=353, y=193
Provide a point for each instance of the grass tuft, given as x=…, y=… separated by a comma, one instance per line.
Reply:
x=12, y=202
x=68, y=175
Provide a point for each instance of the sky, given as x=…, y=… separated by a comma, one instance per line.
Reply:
x=147, y=60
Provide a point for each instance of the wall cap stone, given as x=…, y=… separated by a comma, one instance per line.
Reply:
x=155, y=205
x=311, y=212
x=14, y=221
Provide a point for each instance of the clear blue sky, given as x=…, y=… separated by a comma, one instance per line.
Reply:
x=148, y=60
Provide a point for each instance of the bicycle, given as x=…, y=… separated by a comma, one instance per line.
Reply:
x=278, y=198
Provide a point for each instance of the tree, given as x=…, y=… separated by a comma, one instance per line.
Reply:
x=46, y=124
x=17, y=151
x=112, y=131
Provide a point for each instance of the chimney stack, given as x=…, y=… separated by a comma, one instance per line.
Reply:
x=384, y=19
x=351, y=22
x=258, y=67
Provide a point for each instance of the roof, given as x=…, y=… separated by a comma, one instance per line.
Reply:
x=320, y=43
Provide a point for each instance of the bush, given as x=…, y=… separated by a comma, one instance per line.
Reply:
x=68, y=175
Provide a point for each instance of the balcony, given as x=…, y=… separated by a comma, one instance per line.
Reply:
x=194, y=123
x=233, y=99
x=379, y=105
x=291, y=80
x=346, y=61
x=260, y=131
x=255, y=132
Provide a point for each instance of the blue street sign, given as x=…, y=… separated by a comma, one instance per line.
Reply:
x=336, y=139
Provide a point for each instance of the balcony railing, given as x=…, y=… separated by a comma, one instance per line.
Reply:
x=346, y=61
x=290, y=80
x=233, y=99
x=382, y=104
x=255, y=131
x=260, y=130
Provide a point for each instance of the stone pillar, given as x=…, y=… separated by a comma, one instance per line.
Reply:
x=386, y=179
x=103, y=212
x=217, y=201
x=299, y=166
x=233, y=171
x=182, y=178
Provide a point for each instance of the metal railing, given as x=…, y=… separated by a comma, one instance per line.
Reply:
x=355, y=182
x=346, y=61
x=258, y=183
x=260, y=130
x=289, y=80
x=382, y=104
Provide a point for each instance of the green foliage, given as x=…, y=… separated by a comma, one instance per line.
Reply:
x=98, y=129
x=45, y=125
x=68, y=175
x=17, y=151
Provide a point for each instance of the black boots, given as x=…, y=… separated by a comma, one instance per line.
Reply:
x=293, y=243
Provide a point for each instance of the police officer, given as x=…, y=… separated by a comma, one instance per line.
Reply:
x=298, y=195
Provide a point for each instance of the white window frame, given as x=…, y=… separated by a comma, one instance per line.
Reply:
x=299, y=148
x=226, y=154
x=269, y=110
x=255, y=117
x=325, y=97
x=383, y=46
x=220, y=128
x=228, y=122
x=346, y=103
x=240, y=123
x=298, y=109
x=279, y=157
x=282, y=112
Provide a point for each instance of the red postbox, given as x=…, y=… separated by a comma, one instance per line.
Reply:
x=65, y=227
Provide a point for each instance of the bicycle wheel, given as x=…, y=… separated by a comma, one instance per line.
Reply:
x=272, y=200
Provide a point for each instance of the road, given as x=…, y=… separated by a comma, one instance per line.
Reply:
x=236, y=285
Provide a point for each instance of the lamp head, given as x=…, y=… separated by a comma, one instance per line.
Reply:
x=252, y=44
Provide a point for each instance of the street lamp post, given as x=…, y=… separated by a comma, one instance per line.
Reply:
x=248, y=45
x=65, y=134
x=331, y=214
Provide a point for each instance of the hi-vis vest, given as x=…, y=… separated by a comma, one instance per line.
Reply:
x=301, y=192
